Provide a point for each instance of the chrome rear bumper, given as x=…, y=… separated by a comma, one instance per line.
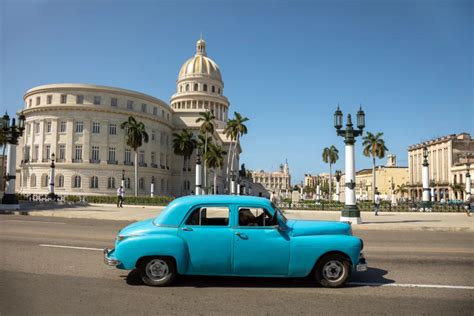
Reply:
x=110, y=260
x=362, y=264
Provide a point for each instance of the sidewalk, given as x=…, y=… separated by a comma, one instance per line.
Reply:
x=385, y=220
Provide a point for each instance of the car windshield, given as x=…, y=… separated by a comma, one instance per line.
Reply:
x=279, y=213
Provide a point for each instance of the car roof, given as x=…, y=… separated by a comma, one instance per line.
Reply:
x=173, y=214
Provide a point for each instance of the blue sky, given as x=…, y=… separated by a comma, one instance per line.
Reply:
x=286, y=64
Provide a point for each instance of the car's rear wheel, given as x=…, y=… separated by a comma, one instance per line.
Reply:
x=157, y=271
x=332, y=271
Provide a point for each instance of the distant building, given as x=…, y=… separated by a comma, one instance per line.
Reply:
x=447, y=167
x=276, y=181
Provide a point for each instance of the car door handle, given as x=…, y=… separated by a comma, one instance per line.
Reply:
x=187, y=229
x=243, y=236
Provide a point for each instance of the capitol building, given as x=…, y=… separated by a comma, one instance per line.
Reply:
x=80, y=124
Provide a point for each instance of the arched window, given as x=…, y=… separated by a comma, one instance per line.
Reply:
x=111, y=183
x=187, y=87
x=94, y=182
x=213, y=89
x=141, y=183
x=219, y=90
x=60, y=181
x=44, y=180
x=195, y=87
x=204, y=87
x=33, y=181
x=76, y=181
x=180, y=88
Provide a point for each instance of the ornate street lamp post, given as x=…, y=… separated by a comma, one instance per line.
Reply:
x=198, y=173
x=232, y=182
x=12, y=133
x=467, y=156
x=152, y=187
x=123, y=180
x=350, y=213
x=425, y=176
x=51, y=194
x=338, y=179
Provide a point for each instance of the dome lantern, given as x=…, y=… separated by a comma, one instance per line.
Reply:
x=201, y=47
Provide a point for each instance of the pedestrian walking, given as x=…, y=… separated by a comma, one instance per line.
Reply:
x=120, y=193
x=273, y=197
x=377, y=202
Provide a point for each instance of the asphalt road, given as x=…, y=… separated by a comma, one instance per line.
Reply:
x=411, y=272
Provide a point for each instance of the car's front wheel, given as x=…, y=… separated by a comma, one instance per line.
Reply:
x=157, y=271
x=332, y=271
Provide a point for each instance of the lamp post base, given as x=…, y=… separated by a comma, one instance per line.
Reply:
x=351, y=214
x=9, y=198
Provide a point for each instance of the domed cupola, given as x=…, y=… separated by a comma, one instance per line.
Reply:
x=200, y=87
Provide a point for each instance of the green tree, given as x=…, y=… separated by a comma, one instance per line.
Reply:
x=207, y=127
x=402, y=189
x=183, y=145
x=135, y=136
x=215, y=160
x=235, y=129
x=330, y=156
x=374, y=146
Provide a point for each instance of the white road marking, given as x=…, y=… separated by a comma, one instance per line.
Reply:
x=39, y=222
x=71, y=247
x=433, y=286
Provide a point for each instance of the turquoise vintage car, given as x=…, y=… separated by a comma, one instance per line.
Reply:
x=235, y=236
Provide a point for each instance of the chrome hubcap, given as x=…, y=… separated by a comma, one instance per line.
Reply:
x=333, y=271
x=157, y=269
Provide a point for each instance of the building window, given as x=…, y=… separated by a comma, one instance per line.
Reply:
x=162, y=160
x=80, y=99
x=28, y=128
x=153, y=135
x=180, y=88
x=167, y=160
x=94, y=182
x=79, y=127
x=219, y=90
x=49, y=99
x=141, y=156
x=153, y=157
x=96, y=100
x=213, y=89
x=33, y=181
x=112, y=129
x=130, y=104
x=62, y=127
x=78, y=153
x=143, y=107
x=128, y=156
x=95, y=154
x=38, y=100
x=95, y=128
x=141, y=184
x=204, y=87
x=63, y=98
x=26, y=156
x=111, y=183
x=60, y=181
x=196, y=87
x=36, y=153
x=167, y=116
x=37, y=128
x=111, y=157
x=163, y=113
x=47, y=152
x=113, y=102
x=76, y=182
x=187, y=87
x=30, y=103
x=127, y=183
x=48, y=127
x=155, y=111
x=44, y=180
x=62, y=152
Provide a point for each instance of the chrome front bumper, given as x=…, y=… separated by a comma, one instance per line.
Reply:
x=362, y=264
x=110, y=260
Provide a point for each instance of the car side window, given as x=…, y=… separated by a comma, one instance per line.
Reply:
x=209, y=216
x=254, y=216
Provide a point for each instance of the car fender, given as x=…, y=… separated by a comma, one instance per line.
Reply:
x=307, y=250
x=131, y=249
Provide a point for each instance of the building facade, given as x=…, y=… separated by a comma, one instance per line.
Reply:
x=275, y=181
x=447, y=167
x=80, y=124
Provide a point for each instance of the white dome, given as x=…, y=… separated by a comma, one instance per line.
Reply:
x=200, y=65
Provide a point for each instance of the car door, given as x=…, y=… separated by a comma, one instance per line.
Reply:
x=260, y=249
x=208, y=235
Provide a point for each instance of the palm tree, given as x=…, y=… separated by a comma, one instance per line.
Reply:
x=184, y=145
x=215, y=160
x=402, y=189
x=374, y=146
x=330, y=155
x=207, y=127
x=231, y=134
x=236, y=128
x=136, y=135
